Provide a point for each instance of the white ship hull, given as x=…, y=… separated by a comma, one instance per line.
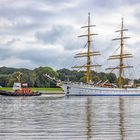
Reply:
x=71, y=89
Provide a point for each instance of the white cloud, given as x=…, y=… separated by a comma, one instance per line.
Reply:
x=35, y=33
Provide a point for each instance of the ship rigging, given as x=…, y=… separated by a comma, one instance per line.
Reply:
x=88, y=54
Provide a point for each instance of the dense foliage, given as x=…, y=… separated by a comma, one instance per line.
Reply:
x=79, y=76
x=36, y=78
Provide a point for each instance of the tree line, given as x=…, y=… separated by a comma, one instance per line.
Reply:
x=36, y=78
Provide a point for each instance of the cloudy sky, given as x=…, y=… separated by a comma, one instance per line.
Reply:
x=37, y=33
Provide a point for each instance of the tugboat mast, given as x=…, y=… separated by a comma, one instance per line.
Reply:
x=19, y=76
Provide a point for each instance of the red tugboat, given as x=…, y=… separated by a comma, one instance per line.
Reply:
x=20, y=89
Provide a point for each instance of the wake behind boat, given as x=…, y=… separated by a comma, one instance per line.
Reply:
x=91, y=89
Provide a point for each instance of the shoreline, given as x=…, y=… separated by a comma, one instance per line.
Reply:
x=41, y=90
x=52, y=92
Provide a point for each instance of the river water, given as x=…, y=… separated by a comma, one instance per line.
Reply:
x=69, y=118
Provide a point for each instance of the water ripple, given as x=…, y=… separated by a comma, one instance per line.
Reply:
x=73, y=118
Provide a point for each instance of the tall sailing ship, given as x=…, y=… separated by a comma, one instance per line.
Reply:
x=91, y=89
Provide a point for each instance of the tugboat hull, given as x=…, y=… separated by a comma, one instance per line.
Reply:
x=7, y=93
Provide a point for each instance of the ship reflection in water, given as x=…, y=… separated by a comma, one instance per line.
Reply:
x=121, y=113
x=72, y=118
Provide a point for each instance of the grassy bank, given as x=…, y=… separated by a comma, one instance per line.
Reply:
x=6, y=88
x=46, y=89
x=34, y=89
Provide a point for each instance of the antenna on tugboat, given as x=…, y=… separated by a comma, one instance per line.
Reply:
x=19, y=76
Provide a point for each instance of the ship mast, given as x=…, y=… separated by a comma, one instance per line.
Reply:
x=88, y=75
x=120, y=82
x=88, y=54
x=121, y=56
